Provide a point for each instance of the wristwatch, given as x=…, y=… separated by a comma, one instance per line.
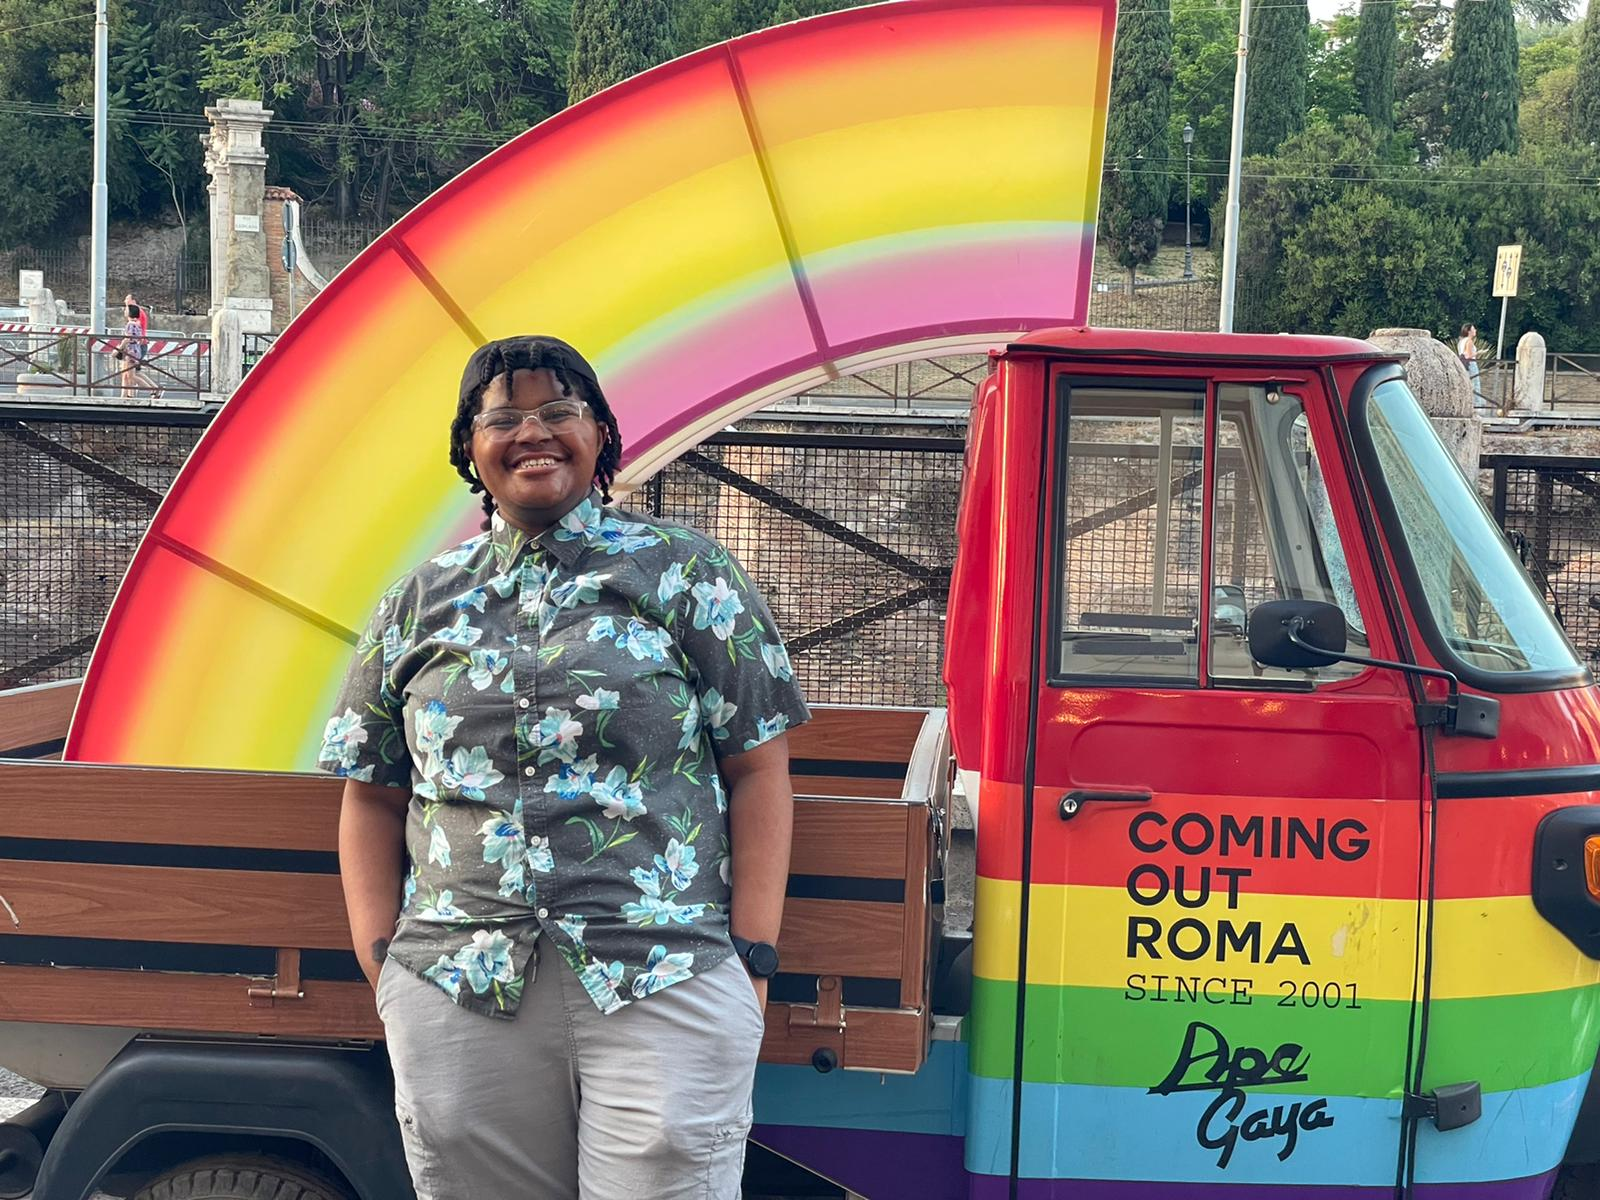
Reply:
x=760, y=958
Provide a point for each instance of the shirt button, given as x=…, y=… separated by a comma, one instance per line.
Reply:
x=543, y=913
x=523, y=703
x=536, y=841
x=527, y=770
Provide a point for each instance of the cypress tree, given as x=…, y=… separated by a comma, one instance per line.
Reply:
x=614, y=39
x=1275, y=96
x=1586, y=87
x=1134, y=209
x=1376, y=42
x=751, y=15
x=1483, y=86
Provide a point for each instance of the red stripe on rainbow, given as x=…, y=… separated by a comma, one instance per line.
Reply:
x=645, y=227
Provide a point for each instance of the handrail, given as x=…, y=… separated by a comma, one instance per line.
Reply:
x=82, y=363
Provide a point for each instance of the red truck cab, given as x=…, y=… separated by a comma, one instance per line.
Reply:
x=1250, y=914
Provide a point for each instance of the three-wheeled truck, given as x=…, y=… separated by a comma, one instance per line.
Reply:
x=1287, y=798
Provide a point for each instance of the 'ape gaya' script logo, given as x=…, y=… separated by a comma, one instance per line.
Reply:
x=1207, y=1063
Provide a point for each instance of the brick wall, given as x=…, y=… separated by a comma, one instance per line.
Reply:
x=272, y=223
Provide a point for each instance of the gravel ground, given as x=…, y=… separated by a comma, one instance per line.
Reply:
x=16, y=1093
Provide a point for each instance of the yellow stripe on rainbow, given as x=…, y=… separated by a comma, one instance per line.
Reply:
x=1079, y=937
x=711, y=234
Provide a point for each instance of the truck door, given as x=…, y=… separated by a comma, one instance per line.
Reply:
x=1219, y=874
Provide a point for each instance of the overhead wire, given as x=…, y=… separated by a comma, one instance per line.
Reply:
x=88, y=16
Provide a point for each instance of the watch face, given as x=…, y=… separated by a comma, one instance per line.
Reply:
x=763, y=960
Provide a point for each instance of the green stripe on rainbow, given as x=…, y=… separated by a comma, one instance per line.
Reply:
x=652, y=227
x=1356, y=1052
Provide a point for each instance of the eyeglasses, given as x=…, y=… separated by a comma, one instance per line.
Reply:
x=556, y=417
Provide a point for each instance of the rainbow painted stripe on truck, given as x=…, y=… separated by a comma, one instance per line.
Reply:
x=1317, y=932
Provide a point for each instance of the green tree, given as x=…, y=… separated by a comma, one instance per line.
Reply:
x=1483, y=85
x=1275, y=100
x=1331, y=69
x=1544, y=198
x=1376, y=42
x=1586, y=81
x=1134, y=206
x=751, y=15
x=1204, y=41
x=46, y=79
x=1421, y=73
x=1548, y=68
x=1365, y=259
x=378, y=102
x=1282, y=196
x=615, y=39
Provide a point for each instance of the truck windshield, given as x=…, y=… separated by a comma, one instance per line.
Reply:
x=1485, y=607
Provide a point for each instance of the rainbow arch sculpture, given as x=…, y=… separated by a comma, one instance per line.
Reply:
x=864, y=187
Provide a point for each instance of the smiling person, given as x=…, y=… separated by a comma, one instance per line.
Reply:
x=565, y=829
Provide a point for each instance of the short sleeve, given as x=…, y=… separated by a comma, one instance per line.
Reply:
x=365, y=738
x=748, y=692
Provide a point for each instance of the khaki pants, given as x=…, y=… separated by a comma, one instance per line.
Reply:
x=562, y=1103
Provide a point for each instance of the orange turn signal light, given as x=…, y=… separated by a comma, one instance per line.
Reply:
x=1591, y=865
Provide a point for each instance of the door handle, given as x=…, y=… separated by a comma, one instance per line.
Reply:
x=1072, y=803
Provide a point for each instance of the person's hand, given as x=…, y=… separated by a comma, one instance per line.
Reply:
x=760, y=986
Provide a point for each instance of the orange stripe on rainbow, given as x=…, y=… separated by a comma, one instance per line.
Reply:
x=710, y=233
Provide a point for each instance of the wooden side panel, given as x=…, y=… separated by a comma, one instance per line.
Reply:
x=875, y=1039
x=856, y=839
x=917, y=931
x=167, y=1000
x=848, y=785
x=173, y=904
x=149, y=806
x=73, y=802
x=878, y=735
x=841, y=937
x=31, y=715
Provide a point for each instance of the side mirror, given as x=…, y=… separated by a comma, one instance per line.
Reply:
x=1319, y=633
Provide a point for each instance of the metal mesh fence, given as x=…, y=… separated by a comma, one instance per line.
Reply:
x=850, y=537
x=1113, y=520
x=1551, y=509
x=75, y=497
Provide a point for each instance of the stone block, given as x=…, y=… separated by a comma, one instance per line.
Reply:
x=1527, y=390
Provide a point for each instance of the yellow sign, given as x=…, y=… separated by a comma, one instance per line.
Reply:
x=1507, y=266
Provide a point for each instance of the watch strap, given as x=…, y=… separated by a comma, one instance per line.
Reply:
x=760, y=958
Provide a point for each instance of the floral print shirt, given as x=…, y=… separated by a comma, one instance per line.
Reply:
x=557, y=707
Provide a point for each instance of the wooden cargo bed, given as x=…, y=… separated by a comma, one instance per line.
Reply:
x=209, y=901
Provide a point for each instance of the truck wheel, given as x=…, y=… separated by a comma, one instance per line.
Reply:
x=231, y=1177
x=1577, y=1183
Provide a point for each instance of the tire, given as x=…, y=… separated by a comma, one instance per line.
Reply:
x=1577, y=1183
x=239, y=1177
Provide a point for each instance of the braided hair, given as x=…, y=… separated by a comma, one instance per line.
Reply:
x=505, y=358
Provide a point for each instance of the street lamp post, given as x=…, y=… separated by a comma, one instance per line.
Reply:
x=98, y=191
x=1188, y=240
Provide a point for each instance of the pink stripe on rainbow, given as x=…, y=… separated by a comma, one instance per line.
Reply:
x=710, y=234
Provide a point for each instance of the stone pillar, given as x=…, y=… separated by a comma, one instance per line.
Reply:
x=1441, y=385
x=227, y=350
x=220, y=208
x=42, y=308
x=237, y=161
x=1528, y=384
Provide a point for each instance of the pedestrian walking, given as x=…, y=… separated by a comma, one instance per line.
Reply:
x=133, y=352
x=565, y=827
x=1467, y=351
x=128, y=301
